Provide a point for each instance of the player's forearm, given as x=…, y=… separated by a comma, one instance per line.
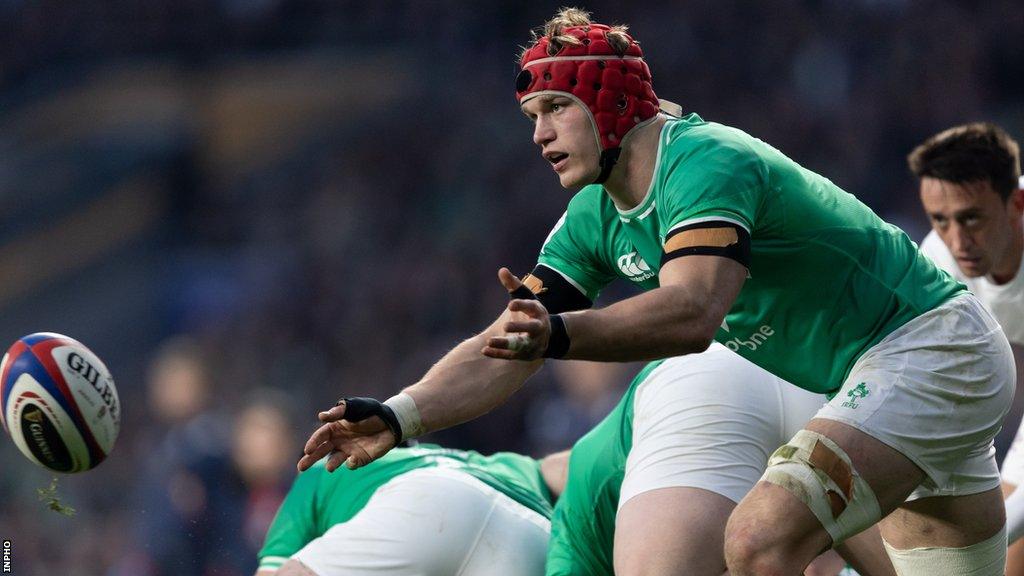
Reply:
x=660, y=323
x=465, y=384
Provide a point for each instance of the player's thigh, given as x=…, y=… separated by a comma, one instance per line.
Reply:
x=828, y=564
x=704, y=421
x=775, y=522
x=672, y=531
x=934, y=392
x=423, y=523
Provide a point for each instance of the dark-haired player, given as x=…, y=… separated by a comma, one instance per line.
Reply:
x=973, y=193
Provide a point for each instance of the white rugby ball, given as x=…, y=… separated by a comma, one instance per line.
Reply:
x=58, y=402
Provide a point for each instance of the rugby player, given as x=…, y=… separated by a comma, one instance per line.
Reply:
x=973, y=193
x=734, y=241
x=720, y=449
x=420, y=511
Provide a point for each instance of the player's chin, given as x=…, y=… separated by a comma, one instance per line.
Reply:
x=575, y=178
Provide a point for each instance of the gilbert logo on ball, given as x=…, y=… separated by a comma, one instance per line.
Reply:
x=58, y=402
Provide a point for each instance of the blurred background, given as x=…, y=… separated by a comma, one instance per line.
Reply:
x=249, y=208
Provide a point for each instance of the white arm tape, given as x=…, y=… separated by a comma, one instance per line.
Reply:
x=408, y=415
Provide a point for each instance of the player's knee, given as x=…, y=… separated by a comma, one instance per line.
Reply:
x=819, y=473
x=295, y=568
x=749, y=552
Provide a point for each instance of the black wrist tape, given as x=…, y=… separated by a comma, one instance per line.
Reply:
x=558, y=344
x=522, y=293
x=358, y=409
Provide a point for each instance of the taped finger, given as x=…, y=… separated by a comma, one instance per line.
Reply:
x=517, y=342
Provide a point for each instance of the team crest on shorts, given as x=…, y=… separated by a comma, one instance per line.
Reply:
x=859, y=392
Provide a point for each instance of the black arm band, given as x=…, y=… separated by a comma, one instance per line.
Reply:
x=556, y=293
x=358, y=409
x=711, y=238
x=558, y=344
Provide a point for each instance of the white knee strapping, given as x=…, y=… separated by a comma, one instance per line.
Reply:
x=987, y=558
x=818, y=472
x=1015, y=515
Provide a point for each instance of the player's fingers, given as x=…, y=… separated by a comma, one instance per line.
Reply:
x=532, y=327
x=304, y=463
x=320, y=436
x=531, y=308
x=499, y=353
x=500, y=342
x=358, y=458
x=508, y=279
x=333, y=414
x=335, y=460
x=371, y=425
x=320, y=450
x=311, y=457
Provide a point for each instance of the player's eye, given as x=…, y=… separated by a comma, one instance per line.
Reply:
x=970, y=221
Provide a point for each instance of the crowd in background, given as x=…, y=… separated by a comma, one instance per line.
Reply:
x=249, y=208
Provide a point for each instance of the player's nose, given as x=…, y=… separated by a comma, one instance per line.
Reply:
x=960, y=239
x=543, y=132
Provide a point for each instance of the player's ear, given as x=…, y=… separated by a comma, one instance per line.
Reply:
x=1016, y=201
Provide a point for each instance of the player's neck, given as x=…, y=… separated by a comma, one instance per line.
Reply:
x=1010, y=266
x=629, y=181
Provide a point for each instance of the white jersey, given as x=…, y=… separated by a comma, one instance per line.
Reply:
x=1006, y=301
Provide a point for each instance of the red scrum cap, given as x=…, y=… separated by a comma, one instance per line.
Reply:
x=614, y=88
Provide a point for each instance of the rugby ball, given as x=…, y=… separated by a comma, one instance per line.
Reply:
x=58, y=402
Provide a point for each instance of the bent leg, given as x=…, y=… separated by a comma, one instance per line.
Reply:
x=828, y=564
x=690, y=527
x=703, y=429
x=758, y=542
x=866, y=553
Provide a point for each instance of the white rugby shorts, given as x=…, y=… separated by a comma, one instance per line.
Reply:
x=710, y=421
x=936, y=390
x=433, y=522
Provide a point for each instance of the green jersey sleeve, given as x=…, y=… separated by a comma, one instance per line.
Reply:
x=717, y=177
x=294, y=526
x=571, y=249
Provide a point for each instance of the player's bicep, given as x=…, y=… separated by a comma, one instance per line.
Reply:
x=712, y=282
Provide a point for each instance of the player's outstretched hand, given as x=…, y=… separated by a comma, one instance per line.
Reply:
x=354, y=444
x=527, y=333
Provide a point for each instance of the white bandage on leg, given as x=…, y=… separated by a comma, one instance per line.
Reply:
x=408, y=415
x=987, y=558
x=818, y=472
x=1015, y=515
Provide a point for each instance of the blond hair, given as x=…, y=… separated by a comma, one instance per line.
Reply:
x=554, y=30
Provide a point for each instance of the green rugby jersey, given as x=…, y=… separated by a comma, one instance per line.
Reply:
x=828, y=278
x=319, y=499
x=583, y=526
